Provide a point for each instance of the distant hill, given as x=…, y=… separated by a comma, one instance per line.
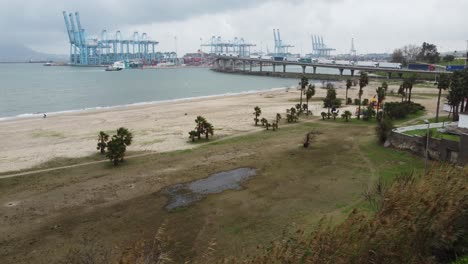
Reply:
x=20, y=53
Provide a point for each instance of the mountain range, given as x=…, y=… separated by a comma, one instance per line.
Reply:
x=21, y=53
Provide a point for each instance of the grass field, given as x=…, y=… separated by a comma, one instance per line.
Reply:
x=435, y=134
x=112, y=207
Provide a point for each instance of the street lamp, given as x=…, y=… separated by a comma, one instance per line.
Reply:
x=427, y=146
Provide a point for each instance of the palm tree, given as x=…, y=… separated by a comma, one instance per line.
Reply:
x=116, y=150
x=323, y=114
x=193, y=135
x=257, y=112
x=264, y=121
x=363, y=82
x=303, y=84
x=380, y=96
x=401, y=91
x=200, y=121
x=385, y=86
x=349, y=83
x=267, y=125
x=335, y=114
x=346, y=115
x=117, y=146
x=208, y=129
x=125, y=135
x=102, y=142
x=278, y=118
x=444, y=83
x=309, y=93
x=408, y=85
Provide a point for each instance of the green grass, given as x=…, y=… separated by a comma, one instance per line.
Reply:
x=454, y=62
x=435, y=134
x=409, y=119
x=292, y=183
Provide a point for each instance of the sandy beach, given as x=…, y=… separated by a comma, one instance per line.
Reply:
x=156, y=127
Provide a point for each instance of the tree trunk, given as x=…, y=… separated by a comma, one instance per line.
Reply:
x=359, y=108
x=206, y=135
x=307, y=100
x=409, y=97
x=438, y=105
x=462, y=105
x=301, y=97
x=346, y=96
x=103, y=150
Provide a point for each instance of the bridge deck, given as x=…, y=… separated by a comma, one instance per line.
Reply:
x=329, y=65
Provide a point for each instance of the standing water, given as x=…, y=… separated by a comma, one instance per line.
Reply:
x=185, y=194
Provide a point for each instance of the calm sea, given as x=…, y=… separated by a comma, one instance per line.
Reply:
x=27, y=89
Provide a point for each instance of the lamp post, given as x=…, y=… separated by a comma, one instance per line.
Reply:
x=427, y=146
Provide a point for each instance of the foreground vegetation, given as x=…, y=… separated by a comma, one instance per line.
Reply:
x=417, y=219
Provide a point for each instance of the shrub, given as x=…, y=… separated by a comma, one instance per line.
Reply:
x=365, y=101
x=350, y=101
x=399, y=110
x=383, y=129
x=356, y=101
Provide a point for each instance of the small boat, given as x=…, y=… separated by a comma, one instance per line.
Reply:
x=48, y=64
x=112, y=68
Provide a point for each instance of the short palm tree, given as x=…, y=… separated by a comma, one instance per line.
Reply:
x=264, y=121
x=125, y=135
x=346, y=115
x=102, y=142
x=257, y=113
x=193, y=135
x=209, y=130
x=200, y=121
x=323, y=115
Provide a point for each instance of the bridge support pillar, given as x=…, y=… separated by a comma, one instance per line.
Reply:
x=315, y=70
x=389, y=75
x=224, y=64
x=303, y=69
x=233, y=64
x=341, y=72
x=243, y=65
x=352, y=73
x=261, y=66
x=400, y=74
x=250, y=66
x=274, y=67
x=284, y=67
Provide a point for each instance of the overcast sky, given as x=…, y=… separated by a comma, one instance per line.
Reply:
x=375, y=25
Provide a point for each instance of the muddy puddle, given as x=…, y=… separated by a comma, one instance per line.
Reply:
x=185, y=194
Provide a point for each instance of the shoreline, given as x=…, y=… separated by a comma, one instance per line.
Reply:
x=157, y=127
x=26, y=116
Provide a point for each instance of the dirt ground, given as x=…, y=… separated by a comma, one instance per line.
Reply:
x=44, y=217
